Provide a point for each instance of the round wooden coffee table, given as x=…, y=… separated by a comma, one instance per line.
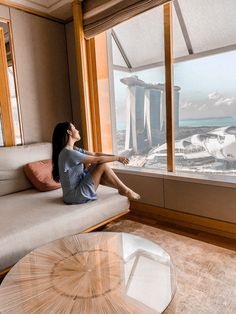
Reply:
x=98, y=272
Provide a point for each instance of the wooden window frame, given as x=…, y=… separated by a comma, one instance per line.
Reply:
x=87, y=83
x=168, y=48
x=93, y=95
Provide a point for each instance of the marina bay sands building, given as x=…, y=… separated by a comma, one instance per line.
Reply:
x=146, y=113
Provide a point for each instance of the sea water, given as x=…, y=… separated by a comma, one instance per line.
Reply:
x=217, y=122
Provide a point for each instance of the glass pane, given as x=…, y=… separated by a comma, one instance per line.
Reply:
x=116, y=55
x=210, y=24
x=138, y=104
x=205, y=131
x=103, y=92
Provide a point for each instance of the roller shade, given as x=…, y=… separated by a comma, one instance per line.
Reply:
x=100, y=15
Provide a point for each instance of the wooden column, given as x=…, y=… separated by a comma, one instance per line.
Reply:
x=80, y=52
x=5, y=97
x=93, y=95
x=169, y=85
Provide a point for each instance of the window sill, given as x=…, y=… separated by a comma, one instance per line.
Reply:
x=209, y=179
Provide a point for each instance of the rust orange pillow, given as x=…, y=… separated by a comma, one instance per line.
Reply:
x=40, y=175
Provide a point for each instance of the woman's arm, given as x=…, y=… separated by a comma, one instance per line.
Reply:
x=91, y=159
x=99, y=158
x=97, y=153
x=103, y=154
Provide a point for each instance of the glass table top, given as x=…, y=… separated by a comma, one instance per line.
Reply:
x=97, y=272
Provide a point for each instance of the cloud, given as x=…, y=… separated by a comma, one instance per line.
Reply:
x=185, y=105
x=225, y=101
x=214, y=95
x=202, y=107
x=218, y=99
x=215, y=105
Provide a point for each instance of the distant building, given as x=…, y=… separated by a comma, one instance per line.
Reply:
x=135, y=123
x=146, y=113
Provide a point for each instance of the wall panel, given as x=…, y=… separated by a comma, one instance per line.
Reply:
x=4, y=12
x=210, y=201
x=200, y=199
x=150, y=188
x=42, y=71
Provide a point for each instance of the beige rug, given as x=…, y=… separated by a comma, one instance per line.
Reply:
x=206, y=274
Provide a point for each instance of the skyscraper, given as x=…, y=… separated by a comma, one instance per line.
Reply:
x=146, y=113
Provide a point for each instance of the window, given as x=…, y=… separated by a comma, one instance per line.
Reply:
x=204, y=98
x=205, y=135
x=136, y=89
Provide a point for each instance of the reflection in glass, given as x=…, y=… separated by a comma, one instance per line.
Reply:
x=147, y=267
x=146, y=272
x=14, y=105
x=1, y=131
x=12, y=83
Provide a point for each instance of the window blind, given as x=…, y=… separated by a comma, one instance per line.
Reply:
x=100, y=15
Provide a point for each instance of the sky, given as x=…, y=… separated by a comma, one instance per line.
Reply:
x=208, y=86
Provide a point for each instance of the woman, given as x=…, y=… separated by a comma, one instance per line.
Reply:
x=79, y=185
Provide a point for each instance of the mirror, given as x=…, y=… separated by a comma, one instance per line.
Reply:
x=12, y=87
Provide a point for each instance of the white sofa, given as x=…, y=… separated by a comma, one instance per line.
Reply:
x=29, y=218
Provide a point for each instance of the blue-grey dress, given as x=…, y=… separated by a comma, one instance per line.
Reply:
x=77, y=183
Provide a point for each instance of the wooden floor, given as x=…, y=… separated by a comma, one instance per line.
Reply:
x=188, y=232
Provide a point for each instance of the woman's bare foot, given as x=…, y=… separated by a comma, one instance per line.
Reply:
x=132, y=196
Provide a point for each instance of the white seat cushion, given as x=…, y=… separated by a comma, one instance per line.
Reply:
x=30, y=219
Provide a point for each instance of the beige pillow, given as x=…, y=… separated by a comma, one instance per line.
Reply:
x=40, y=175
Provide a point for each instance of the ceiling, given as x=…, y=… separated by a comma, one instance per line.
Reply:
x=57, y=8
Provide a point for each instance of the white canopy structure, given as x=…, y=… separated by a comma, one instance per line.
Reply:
x=200, y=28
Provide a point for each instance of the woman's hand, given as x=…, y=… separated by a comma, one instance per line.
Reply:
x=124, y=160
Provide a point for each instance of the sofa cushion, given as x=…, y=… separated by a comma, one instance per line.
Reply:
x=30, y=219
x=12, y=160
x=40, y=175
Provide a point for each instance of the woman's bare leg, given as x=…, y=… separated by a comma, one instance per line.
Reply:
x=103, y=174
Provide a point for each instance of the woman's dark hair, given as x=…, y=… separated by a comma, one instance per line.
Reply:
x=60, y=138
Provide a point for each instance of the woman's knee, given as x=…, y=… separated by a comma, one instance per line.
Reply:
x=98, y=169
x=103, y=166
